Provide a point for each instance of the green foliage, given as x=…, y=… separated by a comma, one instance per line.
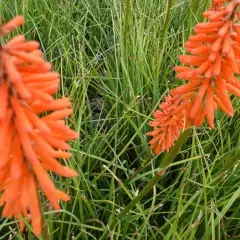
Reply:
x=116, y=59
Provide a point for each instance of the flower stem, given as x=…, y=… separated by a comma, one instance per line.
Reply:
x=45, y=229
x=161, y=47
x=127, y=12
x=166, y=161
x=166, y=23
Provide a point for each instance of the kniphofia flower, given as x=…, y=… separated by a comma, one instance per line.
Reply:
x=30, y=144
x=172, y=117
x=210, y=69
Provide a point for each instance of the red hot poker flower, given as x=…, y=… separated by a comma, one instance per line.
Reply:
x=210, y=72
x=30, y=145
x=168, y=122
x=214, y=61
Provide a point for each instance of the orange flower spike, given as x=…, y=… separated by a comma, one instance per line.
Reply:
x=221, y=60
x=26, y=88
x=167, y=123
x=209, y=69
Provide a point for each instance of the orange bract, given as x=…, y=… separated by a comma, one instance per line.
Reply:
x=30, y=145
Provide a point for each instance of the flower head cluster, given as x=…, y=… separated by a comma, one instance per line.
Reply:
x=30, y=145
x=213, y=63
x=168, y=121
x=211, y=67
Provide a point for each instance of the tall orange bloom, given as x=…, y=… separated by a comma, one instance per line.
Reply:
x=214, y=60
x=30, y=145
x=211, y=66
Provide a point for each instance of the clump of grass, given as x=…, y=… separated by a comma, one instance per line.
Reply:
x=122, y=53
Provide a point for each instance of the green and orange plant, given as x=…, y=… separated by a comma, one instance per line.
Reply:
x=33, y=133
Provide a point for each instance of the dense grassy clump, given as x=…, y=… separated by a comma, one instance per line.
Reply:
x=116, y=59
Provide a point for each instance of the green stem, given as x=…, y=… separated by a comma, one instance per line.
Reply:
x=128, y=180
x=45, y=230
x=166, y=161
x=133, y=176
x=121, y=192
x=162, y=43
x=137, y=171
x=170, y=156
x=166, y=24
x=126, y=21
x=231, y=160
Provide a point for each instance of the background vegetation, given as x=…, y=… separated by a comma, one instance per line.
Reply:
x=116, y=59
